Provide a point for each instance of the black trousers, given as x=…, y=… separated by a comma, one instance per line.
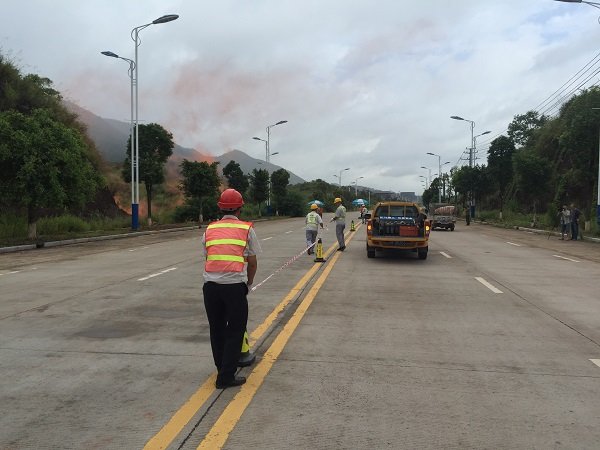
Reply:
x=227, y=311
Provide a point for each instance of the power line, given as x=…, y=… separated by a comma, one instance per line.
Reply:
x=560, y=95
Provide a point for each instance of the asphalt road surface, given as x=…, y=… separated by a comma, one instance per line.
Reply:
x=492, y=342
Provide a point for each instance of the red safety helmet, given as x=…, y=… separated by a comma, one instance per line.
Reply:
x=230, y=200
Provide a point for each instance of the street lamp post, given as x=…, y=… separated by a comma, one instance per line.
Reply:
x=471, y=152
x=595, y=5
x=475, y=143
x=134, y=221
x=340, y=177
x=471, y=149
x=429, y=177
x=443, y=178
x=268, y=153
x=356, y=186
x=266, y=147
x=269, y=138
x=439, y=175
x=426, y=181
x=137, y=42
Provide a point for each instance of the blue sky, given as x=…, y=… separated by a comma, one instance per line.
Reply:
x=366, y=85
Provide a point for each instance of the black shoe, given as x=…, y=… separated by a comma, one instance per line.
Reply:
x=235, y=381
x=341, y=249
x=246, y=360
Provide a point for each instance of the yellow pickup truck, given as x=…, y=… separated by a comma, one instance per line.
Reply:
x=398, y=226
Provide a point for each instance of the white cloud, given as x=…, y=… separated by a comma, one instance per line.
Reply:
x=366, y=85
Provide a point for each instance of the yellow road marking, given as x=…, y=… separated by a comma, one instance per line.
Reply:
x=188, y=410
x=218, y=434
x=180, y=419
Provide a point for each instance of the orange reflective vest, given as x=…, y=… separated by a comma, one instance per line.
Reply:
x=225, y=242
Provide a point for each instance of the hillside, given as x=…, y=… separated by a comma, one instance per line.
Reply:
x=110, y=137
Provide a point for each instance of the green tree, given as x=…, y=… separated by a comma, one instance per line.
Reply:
x=43, y=165
x=25, y=93
x=155, y=148
x=462, y=180
x=532, y=177
x=279, y=183
x=200, y=182
x=578, y=148
x=429, y=196
x=235, y=177
x=500, y=166
x=259, y=186
x=523, y=128
x=292, y=205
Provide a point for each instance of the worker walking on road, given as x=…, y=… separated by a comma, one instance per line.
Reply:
x=340, y=223
x=230, y=247
x=313, y=220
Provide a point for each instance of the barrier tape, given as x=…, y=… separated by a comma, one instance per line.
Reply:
x=286, y=264
x=289, y=262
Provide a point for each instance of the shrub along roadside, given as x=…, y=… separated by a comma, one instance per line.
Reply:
x=546, y=221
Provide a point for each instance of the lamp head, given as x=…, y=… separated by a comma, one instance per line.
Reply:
x=111, y=54
x=485, y=132
x=257, y=138
x=165, y=18
x=456, y=118
x=280, y=122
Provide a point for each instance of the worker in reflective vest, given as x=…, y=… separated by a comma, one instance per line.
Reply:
x=313, y=221
x=230, y=247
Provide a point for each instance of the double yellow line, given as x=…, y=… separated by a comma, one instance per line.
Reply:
x=220, y=431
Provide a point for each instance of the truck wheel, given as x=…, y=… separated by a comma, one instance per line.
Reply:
x=423, y=253
x=370, y=252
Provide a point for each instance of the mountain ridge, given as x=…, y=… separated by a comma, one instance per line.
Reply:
x=110, y=137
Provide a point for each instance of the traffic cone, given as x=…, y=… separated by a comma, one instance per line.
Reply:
x=319, y=251
x=352, y=226
x=246, y=358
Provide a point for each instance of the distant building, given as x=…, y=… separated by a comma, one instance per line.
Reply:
x=386, y=195
x=409, y=196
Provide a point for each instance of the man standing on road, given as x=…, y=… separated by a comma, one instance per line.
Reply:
x=230, y=247
x=313, y=220
x=340, y=223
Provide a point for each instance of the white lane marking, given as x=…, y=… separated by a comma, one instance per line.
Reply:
x=492, y=288
x=446, y=255
x=10, y=273
x=564, y=257
x=512, y=243
x=157, y=274
x=288, y=232
x=266, y=239
x=596, y=361
x=139, y=248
